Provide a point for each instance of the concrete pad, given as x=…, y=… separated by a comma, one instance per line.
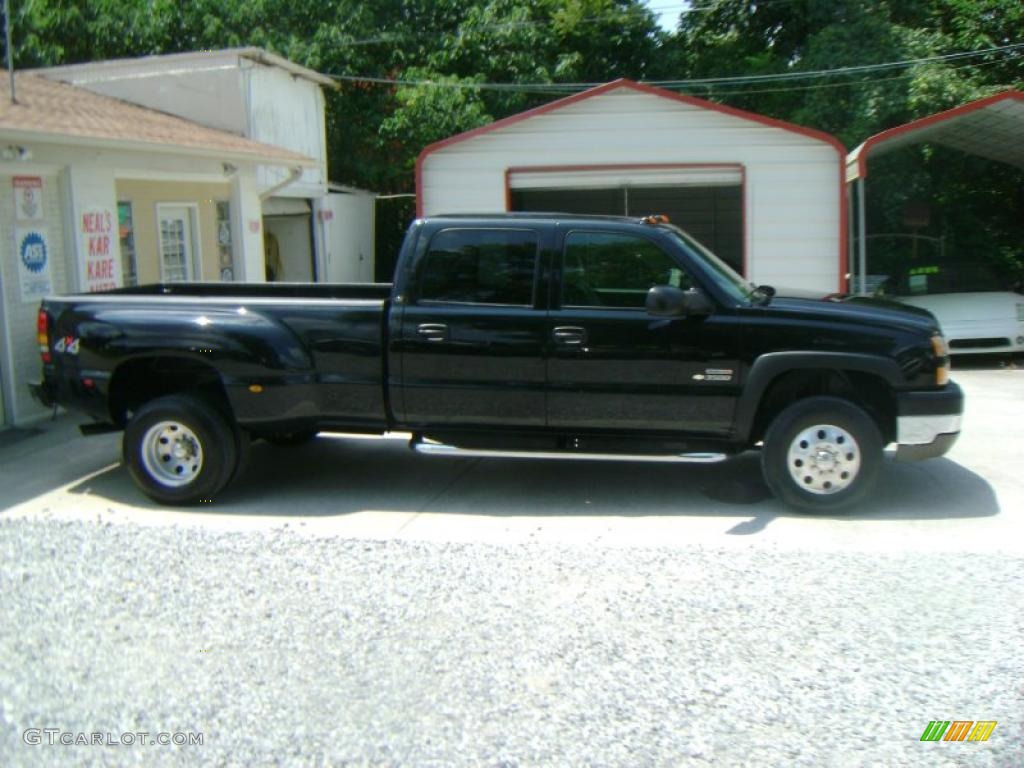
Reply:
x=376, y=488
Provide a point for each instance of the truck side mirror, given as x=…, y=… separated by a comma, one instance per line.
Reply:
x=666, y=301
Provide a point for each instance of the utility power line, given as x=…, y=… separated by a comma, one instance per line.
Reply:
x=691, y=83
x=849, y=83
x=839, y=70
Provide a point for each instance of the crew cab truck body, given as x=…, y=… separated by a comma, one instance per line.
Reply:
x=513, y=335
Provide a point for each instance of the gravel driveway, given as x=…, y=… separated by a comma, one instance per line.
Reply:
x=287, y=648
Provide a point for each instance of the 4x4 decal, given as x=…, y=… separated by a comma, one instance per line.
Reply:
x=67, y=344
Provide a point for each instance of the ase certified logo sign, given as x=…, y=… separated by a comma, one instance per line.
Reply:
x=32, y=251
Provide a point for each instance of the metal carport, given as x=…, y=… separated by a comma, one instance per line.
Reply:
x=992, y=128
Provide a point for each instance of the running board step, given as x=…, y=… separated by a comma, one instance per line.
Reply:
x=441, y=449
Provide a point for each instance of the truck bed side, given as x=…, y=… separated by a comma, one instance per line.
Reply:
x=281, y=356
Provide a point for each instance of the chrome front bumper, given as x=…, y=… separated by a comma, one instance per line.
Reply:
x=928, y=423
x=921, y=430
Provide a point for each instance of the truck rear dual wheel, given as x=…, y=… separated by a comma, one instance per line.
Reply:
x=179, y=449
x=822, y=454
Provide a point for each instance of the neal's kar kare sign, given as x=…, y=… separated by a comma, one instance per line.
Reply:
x=98, y=233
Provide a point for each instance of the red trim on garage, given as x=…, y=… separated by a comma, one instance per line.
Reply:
x=844, y=232
x=671, y=95
x=635, y=167
x=924, y=122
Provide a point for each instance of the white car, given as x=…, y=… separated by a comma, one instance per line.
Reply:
x=975, y=311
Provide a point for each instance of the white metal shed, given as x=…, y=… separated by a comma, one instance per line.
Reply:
x=767, y=195
x=992, y=127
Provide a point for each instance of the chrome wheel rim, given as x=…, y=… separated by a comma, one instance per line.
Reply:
x=172, y=454
x=824, y=459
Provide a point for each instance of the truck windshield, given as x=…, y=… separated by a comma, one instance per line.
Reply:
x=724, y=276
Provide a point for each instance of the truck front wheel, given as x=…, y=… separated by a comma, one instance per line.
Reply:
x=179, y=449
x=822, y=454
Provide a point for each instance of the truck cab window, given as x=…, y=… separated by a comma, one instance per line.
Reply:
x=480, y=266
x=603, y=269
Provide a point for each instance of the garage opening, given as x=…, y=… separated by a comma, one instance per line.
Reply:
x=706, y=202
x=940, y=223
x=288, y=240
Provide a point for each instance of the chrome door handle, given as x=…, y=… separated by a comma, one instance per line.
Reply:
x=433, y=331
x=570, y=334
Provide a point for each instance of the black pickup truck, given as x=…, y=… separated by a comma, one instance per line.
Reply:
x=521, y=335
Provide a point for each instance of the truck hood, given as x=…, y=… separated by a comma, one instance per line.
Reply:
x=853, y=309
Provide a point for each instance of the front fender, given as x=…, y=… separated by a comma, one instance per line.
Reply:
x=768, y=367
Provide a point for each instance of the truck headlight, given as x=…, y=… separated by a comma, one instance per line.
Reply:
x=941, y=350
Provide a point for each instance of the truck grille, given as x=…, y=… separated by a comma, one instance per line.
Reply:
x=979, y=343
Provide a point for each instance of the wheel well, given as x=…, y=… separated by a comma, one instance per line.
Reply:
x=870, y=392
x=138, y=381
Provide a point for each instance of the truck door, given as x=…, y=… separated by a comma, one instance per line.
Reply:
x=473, y=330
x=614, y=367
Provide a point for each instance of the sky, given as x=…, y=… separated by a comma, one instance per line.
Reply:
x=667, y=11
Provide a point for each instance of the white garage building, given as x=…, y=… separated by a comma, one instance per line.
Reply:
x=766, y=195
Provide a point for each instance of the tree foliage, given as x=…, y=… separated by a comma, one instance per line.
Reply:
x=742, y=37
x=376, y=130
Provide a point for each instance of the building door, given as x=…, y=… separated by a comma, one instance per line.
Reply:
x=346, y=221
x=292, y=262
x=289, y=255
x=176, y=243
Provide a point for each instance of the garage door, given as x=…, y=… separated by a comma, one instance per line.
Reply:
x=707, y=202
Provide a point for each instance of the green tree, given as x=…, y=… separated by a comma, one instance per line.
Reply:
x=375, y=130
x=744, y=37
x=976, y=204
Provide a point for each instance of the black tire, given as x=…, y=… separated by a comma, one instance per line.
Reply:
x=822, y=454
x=180, y=450
x=289, y=439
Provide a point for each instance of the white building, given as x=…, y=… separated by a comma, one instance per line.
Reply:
x=96, y=193
x=252, y=93
x=766, y=195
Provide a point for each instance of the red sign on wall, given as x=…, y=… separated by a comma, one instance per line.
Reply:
x=98, y=233
x=28, y=198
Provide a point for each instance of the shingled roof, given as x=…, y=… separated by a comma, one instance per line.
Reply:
x=54, y=112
